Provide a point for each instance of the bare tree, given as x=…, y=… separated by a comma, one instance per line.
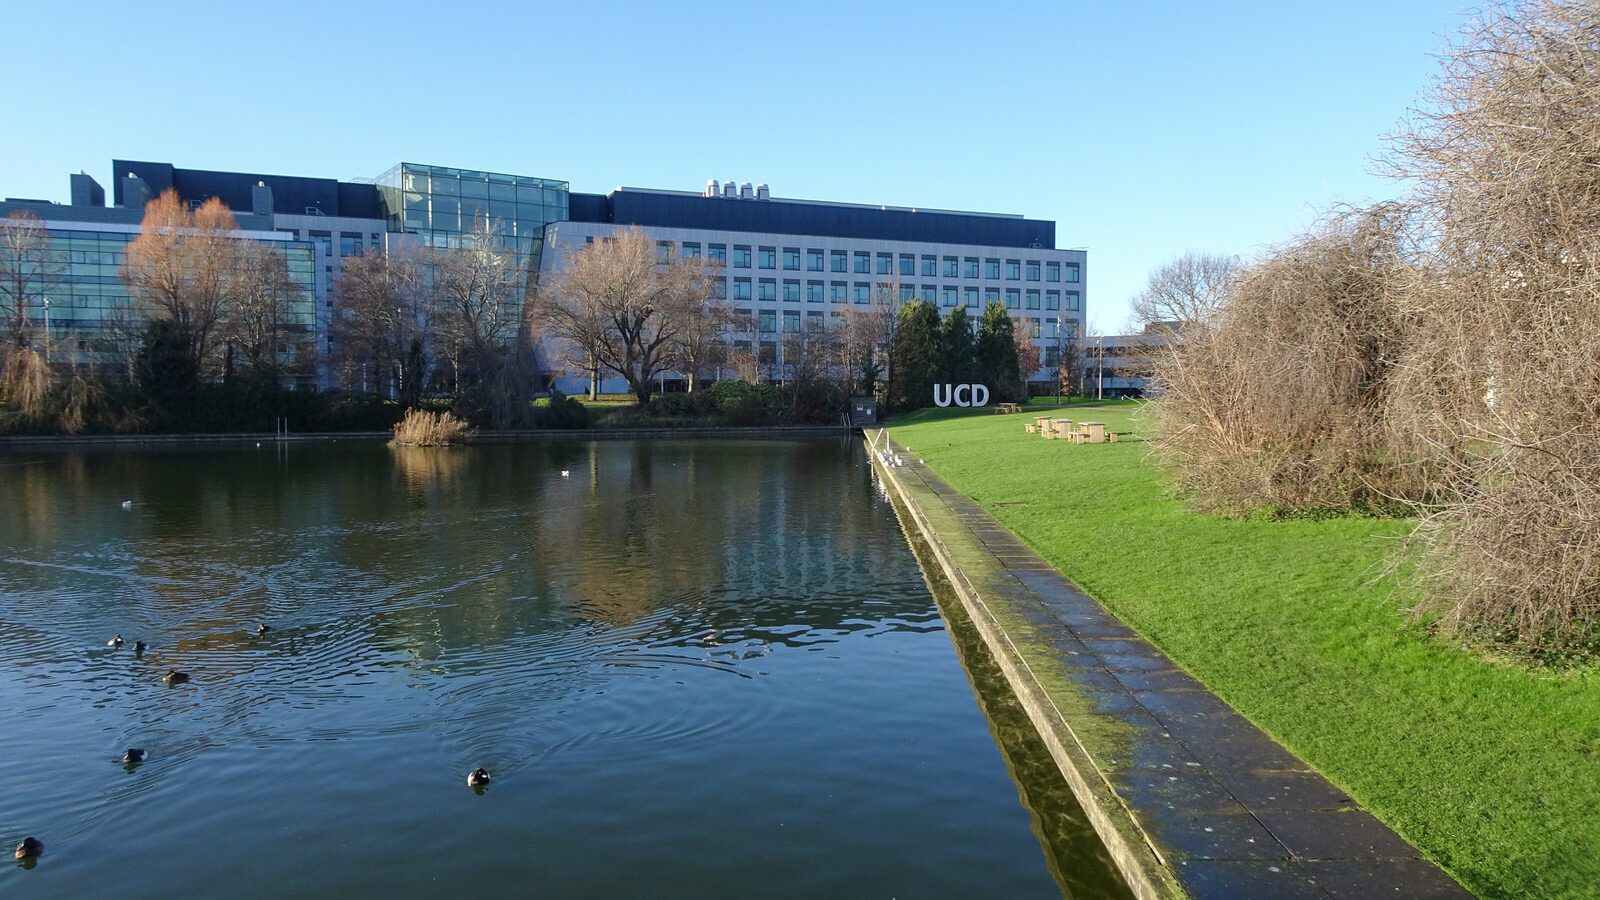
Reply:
x=183, y=266
x=863, y=339
x=700, y=343
x=643, y=305
x=477, y=295
x=1186, y=291
x=259, y=312
x=1498, y=384
x=27, y=267
x=383, y=328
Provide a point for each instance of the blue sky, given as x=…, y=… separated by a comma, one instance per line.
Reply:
x=1144, y=129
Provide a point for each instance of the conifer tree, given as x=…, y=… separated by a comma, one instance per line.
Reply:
x=916, y=355
x=997, y=353
x=959, y=348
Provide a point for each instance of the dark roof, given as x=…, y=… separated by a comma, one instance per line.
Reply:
x=672, y=210
x=290, y=194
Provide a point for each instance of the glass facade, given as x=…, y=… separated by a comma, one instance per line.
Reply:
x=90, y=310
x=441, y=203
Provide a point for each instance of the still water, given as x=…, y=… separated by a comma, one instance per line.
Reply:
x=694, y=668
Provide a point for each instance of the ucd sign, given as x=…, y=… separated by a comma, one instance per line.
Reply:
x=977, y=394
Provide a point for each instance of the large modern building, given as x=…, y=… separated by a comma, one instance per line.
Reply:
x=788, y=264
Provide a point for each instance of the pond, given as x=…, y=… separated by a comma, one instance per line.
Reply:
x=692, y=667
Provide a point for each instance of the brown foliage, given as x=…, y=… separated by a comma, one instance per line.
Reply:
x=423, y=428
x=1501, y=387
x=1280, y=400
x=184, y=266
x=28, y=379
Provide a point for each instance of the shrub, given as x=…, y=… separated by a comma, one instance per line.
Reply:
x=1499, y=387
x=1279, y=400
x=421, y=428
x=558, y=411
x=743, y=403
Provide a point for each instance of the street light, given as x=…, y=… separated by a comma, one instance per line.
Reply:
x=1100, y=368
x=47, y=331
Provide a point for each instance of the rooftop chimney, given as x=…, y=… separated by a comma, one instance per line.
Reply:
x=135, y=193
x=261, y=199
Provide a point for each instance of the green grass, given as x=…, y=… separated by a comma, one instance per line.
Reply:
x=1492, y=769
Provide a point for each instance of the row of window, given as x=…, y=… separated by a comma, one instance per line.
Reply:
x=765, y=321
x=862, y=291
x=908, y=265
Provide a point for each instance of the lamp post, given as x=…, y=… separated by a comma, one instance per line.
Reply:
x=1100, y=367
x=47, y=331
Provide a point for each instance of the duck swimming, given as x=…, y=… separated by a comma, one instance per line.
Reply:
x=115, y=641
x=134, y=755
x=30, y=846
x=138, y=648
x=478, y=777
x=175, y=677
x=262, y=629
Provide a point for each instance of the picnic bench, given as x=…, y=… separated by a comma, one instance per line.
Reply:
x=1008, y=407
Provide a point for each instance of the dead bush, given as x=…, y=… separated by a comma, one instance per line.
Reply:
x=422, y=428
x=1278, y=400
x=1500, y=387
x=28, y=378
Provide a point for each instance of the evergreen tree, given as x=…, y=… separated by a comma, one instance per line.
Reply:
x=915, y=355
x=959, y=348
x=997, y=353
x=168, y=373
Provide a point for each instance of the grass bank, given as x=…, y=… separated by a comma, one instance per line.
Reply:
x=1492, y=770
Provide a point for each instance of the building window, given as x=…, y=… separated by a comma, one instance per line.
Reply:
x=717, y=253
x=861, y=293
x=1033, y=325
x=930, y=267
x=863, y=262
x=1050, y=328
x=719, y=289
x=741, y=256
x=769, y=290
x=767, y=258
x=969, y=267
x=951, y=296
x=991, y=269
x=908, y=293
x=885, y=263
x=791, y=259
x=791, y=291
x=1052, y=299
x=791, y=322
x=1072, y=329
x=1033, y=299
x=663, y=251
x=1074, y=301
x=813, y=260
x=952, y=267
x=1052, y=271
x=908, y=265
x=741, y=287
x=930, y=294
x=1072, y=273
x=1013, y=298
x=1013, y=270
x=691, y=249
x=769, y=321
x=837, y=261
x=813, y=292
x=991, y=295
x=1033, y=270
x=814, y=320
x=837, y=291
x=971, y=294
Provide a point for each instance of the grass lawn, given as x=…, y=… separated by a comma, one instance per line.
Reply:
x=1492, y=769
